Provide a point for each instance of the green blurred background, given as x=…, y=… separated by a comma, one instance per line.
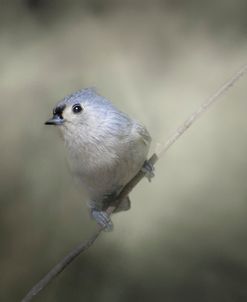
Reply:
x=185, y=236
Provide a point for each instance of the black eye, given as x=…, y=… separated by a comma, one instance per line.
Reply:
x=76, y=108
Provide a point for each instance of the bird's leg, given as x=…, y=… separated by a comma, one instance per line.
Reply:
x=148, y=169
x=102, y=218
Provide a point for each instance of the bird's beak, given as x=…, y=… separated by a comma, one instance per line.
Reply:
x=55, y=120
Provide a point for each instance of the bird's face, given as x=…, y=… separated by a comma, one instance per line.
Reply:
x=65, y=114
x=80, y=116
x=75, y=120
x=85, y=116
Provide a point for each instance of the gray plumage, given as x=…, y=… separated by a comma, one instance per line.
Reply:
x=106, y=147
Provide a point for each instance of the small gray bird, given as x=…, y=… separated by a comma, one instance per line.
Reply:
x=106, y=148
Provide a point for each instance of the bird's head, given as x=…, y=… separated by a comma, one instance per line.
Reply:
x=86, y=113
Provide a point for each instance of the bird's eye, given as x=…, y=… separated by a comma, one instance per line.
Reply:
x=76, y=108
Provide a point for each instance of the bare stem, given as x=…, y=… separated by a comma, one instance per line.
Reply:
x=62, y=264
x=162, y=149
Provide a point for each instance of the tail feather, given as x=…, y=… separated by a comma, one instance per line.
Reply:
x=124, y=205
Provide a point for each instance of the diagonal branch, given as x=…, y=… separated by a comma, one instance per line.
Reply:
x=161, y=150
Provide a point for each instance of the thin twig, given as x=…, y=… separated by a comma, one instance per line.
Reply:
x=61, y=265
x=162, y=149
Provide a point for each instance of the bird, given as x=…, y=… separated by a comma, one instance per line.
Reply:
x=106, y=149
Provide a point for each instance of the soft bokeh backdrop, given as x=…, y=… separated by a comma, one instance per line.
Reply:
x=185, y=236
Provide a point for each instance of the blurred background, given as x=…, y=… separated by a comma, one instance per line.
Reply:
x=185, y=236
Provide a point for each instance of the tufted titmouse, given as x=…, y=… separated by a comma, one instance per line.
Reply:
x=106, y=148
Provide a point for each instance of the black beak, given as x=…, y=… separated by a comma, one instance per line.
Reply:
x=55, y=120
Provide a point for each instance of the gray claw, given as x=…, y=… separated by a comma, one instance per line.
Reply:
x=103, y=219
x=148, y=169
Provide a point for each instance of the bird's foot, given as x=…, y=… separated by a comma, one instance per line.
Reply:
x=103, y=219
x=148, y=169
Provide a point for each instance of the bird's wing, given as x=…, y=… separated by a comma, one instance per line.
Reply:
x=142, y=132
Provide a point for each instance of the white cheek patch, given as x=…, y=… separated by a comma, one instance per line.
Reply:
x=67, y=113
x=72, y=117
